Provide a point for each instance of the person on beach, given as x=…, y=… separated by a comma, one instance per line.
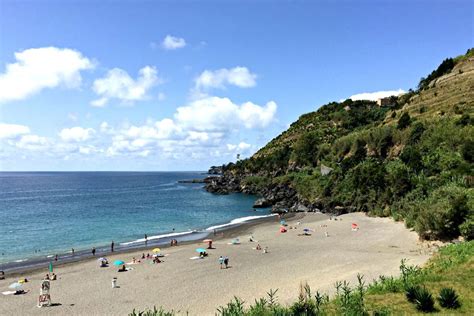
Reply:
x=221, y=261
x=55, y=257
x=146, y=239
x=72, y=251
x=258, y=247
x=93, y=251
x=122, y=269
x=226, y=262
x=112, y=246
x=143, y=255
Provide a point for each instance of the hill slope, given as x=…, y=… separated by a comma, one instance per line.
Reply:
x=413, y=161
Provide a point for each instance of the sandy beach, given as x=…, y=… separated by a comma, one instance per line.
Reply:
x=199, y=286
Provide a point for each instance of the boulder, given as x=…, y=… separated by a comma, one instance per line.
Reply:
x=262, y=202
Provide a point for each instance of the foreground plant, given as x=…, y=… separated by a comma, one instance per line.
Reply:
x=448, y=298
x=424, y=300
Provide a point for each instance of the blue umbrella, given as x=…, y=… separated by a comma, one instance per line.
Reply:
x=306, y=229
x=15, y=286
x=200, y=250
x=118, y=262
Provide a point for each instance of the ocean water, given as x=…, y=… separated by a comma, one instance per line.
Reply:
x=43, y=213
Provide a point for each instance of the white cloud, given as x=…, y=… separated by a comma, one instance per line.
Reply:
x=38, y=68
x=373, y=96
x=76, y=134
x=172, y=43
x=118, y=84
x=32, y=142
x=12, y=131
x=238, y=76
x=221, y=114
x=253, y=115
x=73, y=116
x=242, y=146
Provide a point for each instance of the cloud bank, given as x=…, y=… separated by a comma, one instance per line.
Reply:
x=373, y=96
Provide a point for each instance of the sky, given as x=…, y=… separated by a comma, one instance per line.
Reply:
x=184, y=85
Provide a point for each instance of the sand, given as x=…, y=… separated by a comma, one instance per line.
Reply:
x=200, y=286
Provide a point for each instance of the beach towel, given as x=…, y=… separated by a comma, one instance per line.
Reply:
x=8, y=292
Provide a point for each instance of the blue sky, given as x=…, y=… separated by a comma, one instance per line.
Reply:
x=162, y=85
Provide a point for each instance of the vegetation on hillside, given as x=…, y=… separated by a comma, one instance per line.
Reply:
x=387, y=161
x=445, y=285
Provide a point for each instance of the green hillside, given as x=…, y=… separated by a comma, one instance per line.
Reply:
x=413, y=160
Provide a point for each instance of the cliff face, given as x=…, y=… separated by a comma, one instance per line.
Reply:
x=413, y=159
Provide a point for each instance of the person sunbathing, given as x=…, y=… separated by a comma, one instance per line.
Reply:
x=19, y=292
x=122, y=269
x=258, y=247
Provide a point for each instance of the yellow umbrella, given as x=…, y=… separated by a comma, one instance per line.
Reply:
x=156, y=250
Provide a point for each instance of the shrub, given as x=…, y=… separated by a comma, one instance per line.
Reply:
x=467, y=228
x=448, y=298
x=404, y=121
x=233, y=308
x=411, y=293
x=152, y=312
x=424, y=300
x=441, y=214
x=468, y=151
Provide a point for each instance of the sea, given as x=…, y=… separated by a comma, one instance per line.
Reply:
x=47, y=213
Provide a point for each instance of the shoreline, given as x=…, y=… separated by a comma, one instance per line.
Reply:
x=226, y=230
x=200, y=286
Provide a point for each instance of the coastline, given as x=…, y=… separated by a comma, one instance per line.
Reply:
x=226, y=230
x=199, y=286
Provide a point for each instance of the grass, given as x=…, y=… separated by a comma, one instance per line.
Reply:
x=452, y=267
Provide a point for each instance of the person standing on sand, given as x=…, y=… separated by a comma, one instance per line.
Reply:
x=112, y=246
x=221, y=261
x=226, y=262
x=93, y=251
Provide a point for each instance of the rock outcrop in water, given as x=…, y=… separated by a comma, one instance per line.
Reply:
x=281, y=198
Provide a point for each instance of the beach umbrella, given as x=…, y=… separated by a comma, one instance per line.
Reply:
x=200, y=250
x=15, y=286
x=306, y=229
x=51, y=267
x=118, y=262
x=156, y=250
x=207, y=240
